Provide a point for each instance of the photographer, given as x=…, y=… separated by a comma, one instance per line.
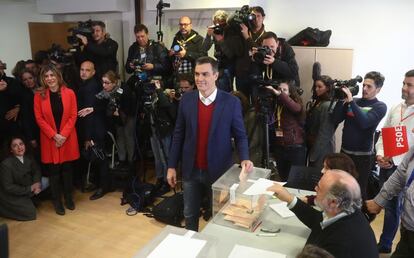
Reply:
x=320, y=128
x=275, y=59
x=362, y=116
x=187, y=46
x=163, y=115
x=251, y=32
x=289, y=134
x=147, y=55
x=216, y=34
x=101, y=50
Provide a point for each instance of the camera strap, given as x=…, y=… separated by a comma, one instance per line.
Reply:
x=279, y=115
x=405, y=118
x=255, y=40
x=183, y=42
x=269, y=72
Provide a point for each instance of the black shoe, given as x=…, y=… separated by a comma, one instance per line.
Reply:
x=98, y=194
x=70, y=205
x=383, y=250
x=59, y=209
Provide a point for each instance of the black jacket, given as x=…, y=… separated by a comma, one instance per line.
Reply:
x=348, y=237
x=156, y=54
x=102, y=55
x=194, y=47
x=284, y=66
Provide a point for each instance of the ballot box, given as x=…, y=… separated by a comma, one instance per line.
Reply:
x=232, y=205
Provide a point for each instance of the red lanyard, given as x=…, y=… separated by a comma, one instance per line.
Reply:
x=405, y=118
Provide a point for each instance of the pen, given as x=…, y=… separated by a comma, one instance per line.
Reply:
x=267, y=234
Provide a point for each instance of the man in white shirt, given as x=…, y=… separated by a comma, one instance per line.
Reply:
x=400, y=115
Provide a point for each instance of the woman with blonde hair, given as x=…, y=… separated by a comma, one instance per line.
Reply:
x=55, y=109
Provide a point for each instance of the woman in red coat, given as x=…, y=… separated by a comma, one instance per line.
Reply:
x=55, y=110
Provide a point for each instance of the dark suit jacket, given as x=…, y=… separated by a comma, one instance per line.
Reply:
x=16, y=179
x=227, y=122
x=348, y=237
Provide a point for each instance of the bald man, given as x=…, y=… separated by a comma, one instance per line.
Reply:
x=187, y=47
x=340, y=228
x=91, y=122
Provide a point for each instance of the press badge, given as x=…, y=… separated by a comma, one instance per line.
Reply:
x=279, y=132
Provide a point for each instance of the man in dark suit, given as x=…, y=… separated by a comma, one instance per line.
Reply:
x=207, y=121
x=340, y=228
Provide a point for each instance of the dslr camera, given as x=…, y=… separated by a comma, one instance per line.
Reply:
x=261, y=53
x=83, y=28
x=114, y=100
x=218, y=29
x=351, y=84
x=242, y=16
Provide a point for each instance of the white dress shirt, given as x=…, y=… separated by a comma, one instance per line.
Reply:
x=210, y=99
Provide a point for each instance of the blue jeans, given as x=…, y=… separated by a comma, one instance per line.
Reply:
x=392, y=213
x=194, y=191
x=160, y=155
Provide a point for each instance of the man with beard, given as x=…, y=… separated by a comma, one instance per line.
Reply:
x=187, y=46
x=399, y=115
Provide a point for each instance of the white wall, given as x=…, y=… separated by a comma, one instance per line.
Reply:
x=380, y=31
x=14, y=31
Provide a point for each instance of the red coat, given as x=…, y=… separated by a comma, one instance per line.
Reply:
x=44, y=118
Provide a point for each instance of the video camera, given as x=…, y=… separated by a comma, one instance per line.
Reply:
x=262, y=83
x=84, y=29
x=351, y=84
x=261, y=53
x=242, y=16
x=114, y=100
x=59, y=55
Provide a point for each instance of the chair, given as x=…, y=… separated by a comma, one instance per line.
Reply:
x=4, y=241
x=305, y=178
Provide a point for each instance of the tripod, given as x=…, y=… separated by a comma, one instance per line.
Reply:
x=160, y=6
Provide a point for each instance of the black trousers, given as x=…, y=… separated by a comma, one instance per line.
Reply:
x=363, y=164
x=405, y=248
x=61, y=175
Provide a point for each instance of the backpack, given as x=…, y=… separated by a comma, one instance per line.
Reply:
x=170, y=210
x=311, y=37
x=138, y=195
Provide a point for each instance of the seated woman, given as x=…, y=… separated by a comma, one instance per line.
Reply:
x=19, y=181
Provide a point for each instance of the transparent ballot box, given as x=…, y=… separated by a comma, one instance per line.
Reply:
x=231, y=206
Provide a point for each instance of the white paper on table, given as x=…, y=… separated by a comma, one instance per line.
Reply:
x=241, y=251
x=181, y=246
x=282, y=209
x=260, y=186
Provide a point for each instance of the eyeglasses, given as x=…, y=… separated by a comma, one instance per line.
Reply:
x=106, y=82
x=184, y=24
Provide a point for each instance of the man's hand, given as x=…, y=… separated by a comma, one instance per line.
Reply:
x=172, y=177
x=384, y=162
x=281, y=193
x=88, y=144
x=83, y=39
x=182, y=53
x=244, y=31
x=373, y=207
x=348, y=94
x=269, y=59
x=247, y=165
x=85, y=111
x=147, y=66
x=3, y=85
x=275, y=91
x=12, y=113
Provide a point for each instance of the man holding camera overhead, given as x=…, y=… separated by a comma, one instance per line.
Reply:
x=101, y=50
x=362, y=116
x=187, y=46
